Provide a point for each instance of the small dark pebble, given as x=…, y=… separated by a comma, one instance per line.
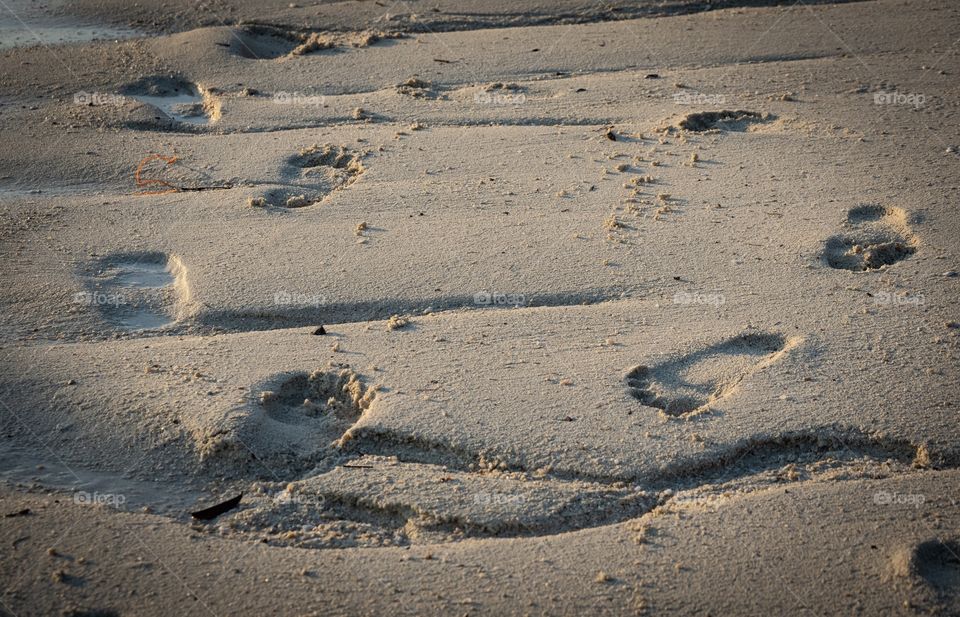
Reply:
x=651, y=76
x=320, y=331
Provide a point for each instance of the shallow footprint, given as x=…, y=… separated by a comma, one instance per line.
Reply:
x=262, y=42
x=137, y=291
x=312, y=175
x=178, y=99
x=935, y=564
x=690, y=384
x=877, y=237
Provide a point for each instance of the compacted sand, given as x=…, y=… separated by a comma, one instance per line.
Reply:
x=484, y=308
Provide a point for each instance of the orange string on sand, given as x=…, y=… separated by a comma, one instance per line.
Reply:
x=141, y=182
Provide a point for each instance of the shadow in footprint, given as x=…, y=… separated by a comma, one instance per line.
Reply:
x=877, y=237
x=689, y=385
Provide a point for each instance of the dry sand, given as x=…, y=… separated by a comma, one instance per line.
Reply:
x=552, y=308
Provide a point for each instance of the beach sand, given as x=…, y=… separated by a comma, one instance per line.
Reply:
x=541, y=308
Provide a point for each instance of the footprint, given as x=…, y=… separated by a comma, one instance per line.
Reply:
x=181, y=101
x=876, y=237
x=136, y=291
x=937, y=564
x=300, y=419
x=729, y=120
x=312, y=175
x=261, y=42
x=690, y=385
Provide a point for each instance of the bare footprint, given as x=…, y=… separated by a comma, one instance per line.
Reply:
x=136, y=291
x=295, y=424
x=312, y=175
x=729, y=120
x=262, y=42
x=935, y=564
x=180, y=100
x=875, y=237
x=690, y=385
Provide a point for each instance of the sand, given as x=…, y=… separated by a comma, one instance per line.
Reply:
x=510, y=309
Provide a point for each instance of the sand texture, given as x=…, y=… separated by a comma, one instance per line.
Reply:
x=492, y=308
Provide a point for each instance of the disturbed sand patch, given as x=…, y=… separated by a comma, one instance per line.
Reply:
x=266, y=42
x=381, y=500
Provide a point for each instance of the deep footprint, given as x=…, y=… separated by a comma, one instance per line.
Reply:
x=136, y=292
x=689, y=385
x=731, y=120
x=877, y=237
